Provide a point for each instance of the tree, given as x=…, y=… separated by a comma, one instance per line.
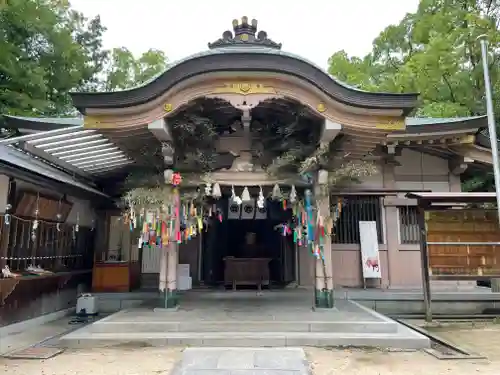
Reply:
x=47, y=49
x=125, y=71
x=435, y=52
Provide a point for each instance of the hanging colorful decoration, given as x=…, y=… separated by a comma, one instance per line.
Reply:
x=59, y=216
x=235, y=198
x=245, y=196
x=76, y=227
x=319, y=237
x=176, y=179
x=163, y=215
x=293, y=195
x=208, y=189
x=261, y=200
x=276, y=194
x=34, y=225
x=216, y=193
x=165, y=218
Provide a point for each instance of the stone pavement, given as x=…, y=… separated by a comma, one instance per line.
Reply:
x=242, y=361
x=32, y=336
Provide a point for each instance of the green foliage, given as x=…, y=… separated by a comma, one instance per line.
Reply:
x=435, y=52
x=124, y=71
x=48, y=49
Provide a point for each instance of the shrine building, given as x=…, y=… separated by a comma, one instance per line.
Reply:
x=250, y=131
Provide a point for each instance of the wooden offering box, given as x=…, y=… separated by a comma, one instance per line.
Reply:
x=115, y=276
x=117, y=269
x=246, y=271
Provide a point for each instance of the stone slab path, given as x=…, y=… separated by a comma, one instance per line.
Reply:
x=242, y=361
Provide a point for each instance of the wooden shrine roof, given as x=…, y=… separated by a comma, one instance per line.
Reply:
x=245, y=50
x=18, y=164
x=84, y=153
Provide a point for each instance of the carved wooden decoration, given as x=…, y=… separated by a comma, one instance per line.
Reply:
x=244, y=88
x=244, y=33
x=391, y=124
x=92, y=122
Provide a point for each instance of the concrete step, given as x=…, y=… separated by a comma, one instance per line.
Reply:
x=244, y=326
x=403, y=339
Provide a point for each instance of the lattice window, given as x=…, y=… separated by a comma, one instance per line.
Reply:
x=357, y=208
x=409, y=232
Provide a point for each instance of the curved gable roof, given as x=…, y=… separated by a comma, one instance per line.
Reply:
x=249, y=54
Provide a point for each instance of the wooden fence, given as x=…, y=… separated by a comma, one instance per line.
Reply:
x=463, y=243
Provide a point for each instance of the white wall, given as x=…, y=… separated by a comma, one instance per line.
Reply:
x=414, y=162
x=419, y=171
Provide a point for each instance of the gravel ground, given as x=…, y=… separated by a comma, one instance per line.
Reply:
x=113, y=361
x=482, y=338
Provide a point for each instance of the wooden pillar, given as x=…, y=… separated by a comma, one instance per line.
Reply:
x=169, y=262
x=391, y=222
x=424, y=256
x=323, y=267
x=168, y=276
x=6, y=229
x=163, y=270
x=171, y=298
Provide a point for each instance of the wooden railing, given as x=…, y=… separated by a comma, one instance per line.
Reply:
x=60, y=249
x=53, y=246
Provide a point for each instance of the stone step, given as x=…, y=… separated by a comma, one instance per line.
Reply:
x=403, y=339
x=244, y=326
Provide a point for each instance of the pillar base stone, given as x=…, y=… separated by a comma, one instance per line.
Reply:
x=169, y=299
x=323, y=298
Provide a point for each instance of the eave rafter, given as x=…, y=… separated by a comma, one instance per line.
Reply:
x=430, y=139
x=78, y=151
x=360, y=143
x=442, y=146
x=476, y=153
x=459, y=148
x=445, y=145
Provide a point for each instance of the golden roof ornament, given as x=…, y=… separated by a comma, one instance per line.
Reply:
x=244, y=34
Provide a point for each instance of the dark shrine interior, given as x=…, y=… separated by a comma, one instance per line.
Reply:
x=227, y=238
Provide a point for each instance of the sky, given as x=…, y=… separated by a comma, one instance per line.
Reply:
x=313, y=29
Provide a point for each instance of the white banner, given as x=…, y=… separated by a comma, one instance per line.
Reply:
x=370, y=258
